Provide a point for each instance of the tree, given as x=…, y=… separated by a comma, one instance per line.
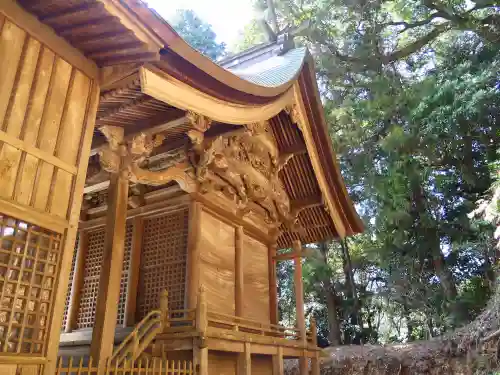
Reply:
x=197, y=33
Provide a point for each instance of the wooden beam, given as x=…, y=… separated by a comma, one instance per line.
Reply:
x=239, y=275
x=304, y=252
x=77, y=282
x=273, y=287
x=96, y=188
x=103, y=333
x=133, y=272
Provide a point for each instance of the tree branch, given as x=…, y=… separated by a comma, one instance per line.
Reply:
x=413, y=25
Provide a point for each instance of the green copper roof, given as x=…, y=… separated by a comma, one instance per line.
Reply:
x=274, y=71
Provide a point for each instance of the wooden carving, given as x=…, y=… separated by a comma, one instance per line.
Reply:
x=295, y=116
x=199, y=122
x=244, y=166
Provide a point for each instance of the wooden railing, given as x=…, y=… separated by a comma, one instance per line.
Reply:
x=156, y=366
x=240, y=324
x=143, y=334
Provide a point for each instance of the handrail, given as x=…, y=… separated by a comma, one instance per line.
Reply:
x=252, y=326
x=140, y=338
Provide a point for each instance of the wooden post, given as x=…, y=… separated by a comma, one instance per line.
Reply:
x=194, y=236
x=314, y=332
x=315, y=369
x=245, y=367
x=299, y=303
x=103, y=333
x=164, y=308
x=77, y=282
x=200, y=352
x=133, y=272
x=239, y=276
x=278, y=362
x=273, y=286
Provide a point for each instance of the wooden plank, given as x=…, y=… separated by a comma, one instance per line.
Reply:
x=33, y=216
x=194, y=244
x=46, y=35
x=72, y=122
x=40, y=89
x=26, y=180
x=133, y=273
x=77, y=282
x=238, y=271
x=12, y=39
x=22, y=90
x=9, y=164
x=101, y=346
x=37, y=153
x=69, y=241
x=8, y=369
x=49, y=129
x=60, y=193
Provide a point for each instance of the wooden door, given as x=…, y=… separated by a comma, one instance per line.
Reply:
x=47, y=115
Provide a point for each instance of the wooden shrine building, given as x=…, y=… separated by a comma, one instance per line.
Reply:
x=145, y=191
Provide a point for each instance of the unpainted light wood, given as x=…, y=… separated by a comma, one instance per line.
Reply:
x=217, y=263
x=278, y=362
x=256, y=280
x=273, y=285
x=111, y=271
x=133, y=272
x=77, y=282
x=183, y=96
x=194, y=252
x=299, y=291
x=239, y=288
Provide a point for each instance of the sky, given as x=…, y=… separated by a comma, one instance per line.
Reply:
x=227, y=17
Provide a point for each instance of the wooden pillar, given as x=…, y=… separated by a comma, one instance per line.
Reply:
x=77, y=282
x=299, y=303
x=103, y=333
x=278, y=362
x=200, y=351
x=315, y=369
x=239, y=276
x=133, y=272
x=194, y=236
x=245, y=360
x=273, y=286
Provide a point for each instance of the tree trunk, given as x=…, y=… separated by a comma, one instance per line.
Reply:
x=351, y=285
x=331, y=301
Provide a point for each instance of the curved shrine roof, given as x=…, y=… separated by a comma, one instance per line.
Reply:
x=259, y=82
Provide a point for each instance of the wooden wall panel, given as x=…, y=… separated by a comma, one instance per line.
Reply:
x=48, y=103
x=262, y=364
x=217, y=263
x=222, y=363
x=256, y=280
x=44, y=102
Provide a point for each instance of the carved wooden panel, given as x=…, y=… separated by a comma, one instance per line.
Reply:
x=29, y=266
x=256, y=280
x=92, y=273
x=163, y=261
x=217, y=263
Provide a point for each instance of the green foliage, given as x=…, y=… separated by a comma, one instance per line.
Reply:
x=411, y=93
x=197, y=33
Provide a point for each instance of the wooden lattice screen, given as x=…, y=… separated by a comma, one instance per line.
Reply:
x=163, y=262
x=29, y=266
x=91, y=275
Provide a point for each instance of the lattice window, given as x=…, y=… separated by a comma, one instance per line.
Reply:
x=29, y=267
x=70, y=281
x=92, y=273
x=163, y=263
